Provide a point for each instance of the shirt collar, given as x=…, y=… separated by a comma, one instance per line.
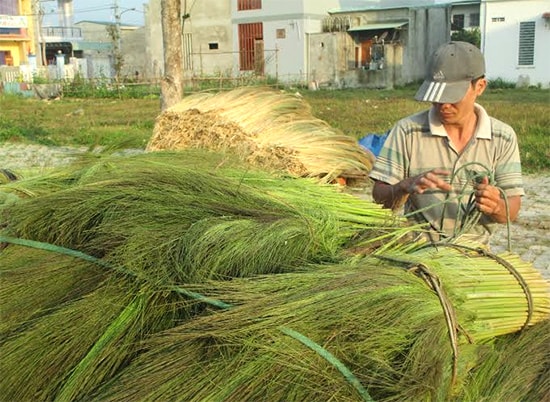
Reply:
x=483, y=128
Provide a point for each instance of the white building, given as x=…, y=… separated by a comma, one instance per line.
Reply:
x=516, y=40
x=280, y=29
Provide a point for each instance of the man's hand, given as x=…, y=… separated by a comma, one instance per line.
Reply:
x=428, y=180
x=488, y=198
x=490, y=202
x=394, y=196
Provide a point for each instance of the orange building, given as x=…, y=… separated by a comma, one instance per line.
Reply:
x=17, y=36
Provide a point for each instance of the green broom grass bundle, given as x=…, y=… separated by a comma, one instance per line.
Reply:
x=72, y=349
x=175, y=224
x=505, y=293
x=518, y=368
x=136, y=327
x=269, y=128
x=383, y=323
x=69, y=324
x=36, y=282
x=98, y=165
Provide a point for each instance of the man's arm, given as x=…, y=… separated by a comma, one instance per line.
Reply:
x=395, y=195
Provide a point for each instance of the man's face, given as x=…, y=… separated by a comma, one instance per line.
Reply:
x=457, y=113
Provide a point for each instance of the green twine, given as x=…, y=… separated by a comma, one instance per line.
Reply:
x=329, y=357
x=325, y=354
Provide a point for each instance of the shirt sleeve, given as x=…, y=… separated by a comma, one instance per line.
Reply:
x=391, y=164
x=508, y=165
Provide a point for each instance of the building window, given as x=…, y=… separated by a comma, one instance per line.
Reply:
x=213, y=46
x=526, y=54
x=5, y=58
x=243, y=5
x=250, y=46
x=10, y=31
x=281, y=33
x=9, y=7
x=458, y=22
x=474, y=19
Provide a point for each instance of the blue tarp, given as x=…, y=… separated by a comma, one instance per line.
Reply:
x=373, y=142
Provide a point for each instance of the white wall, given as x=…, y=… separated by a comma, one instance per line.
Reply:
x=285, y=58
x=500, y=40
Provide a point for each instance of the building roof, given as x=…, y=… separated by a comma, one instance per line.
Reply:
x=401, y=4
x=106, y=23
x=382, y=25
x=85, y=45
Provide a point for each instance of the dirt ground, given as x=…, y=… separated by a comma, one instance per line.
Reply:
x=530, y=233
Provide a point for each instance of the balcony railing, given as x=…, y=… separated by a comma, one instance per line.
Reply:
x=61, y=33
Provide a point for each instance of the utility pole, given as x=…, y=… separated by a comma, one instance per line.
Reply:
x=37, y=18
x=117, y=24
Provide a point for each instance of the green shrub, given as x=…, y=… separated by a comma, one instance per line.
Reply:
x=500, y=83
x=472, y=36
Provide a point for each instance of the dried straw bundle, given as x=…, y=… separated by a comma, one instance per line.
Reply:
x=270, y=129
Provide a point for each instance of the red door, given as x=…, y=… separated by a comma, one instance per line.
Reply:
x=249, y=36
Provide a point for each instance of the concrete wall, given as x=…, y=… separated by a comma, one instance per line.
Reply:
x=94, y=31
x=500, y=31
x=210, y=26
x=327, y=58
x=135, y=58
x=153, y=41
x=330, y=54
x=428, y=29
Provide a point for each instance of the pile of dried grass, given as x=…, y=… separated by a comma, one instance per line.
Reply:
x=269, y=129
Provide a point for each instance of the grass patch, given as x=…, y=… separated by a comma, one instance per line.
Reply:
x=77, y=121
x=356, y=112
x=359, y=112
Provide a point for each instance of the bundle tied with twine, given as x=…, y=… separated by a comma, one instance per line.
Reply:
x=114, y=288
x=365, y=330
x=270, y=129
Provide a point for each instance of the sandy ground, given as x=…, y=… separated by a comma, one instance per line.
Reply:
x=529, y=235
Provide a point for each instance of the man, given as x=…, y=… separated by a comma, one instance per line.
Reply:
x=455, y=168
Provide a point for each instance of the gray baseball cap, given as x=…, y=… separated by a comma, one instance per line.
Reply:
x=451, y=69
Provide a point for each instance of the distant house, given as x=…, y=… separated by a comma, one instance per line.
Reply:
x=241, y=37
x=207, y=39
x=273, y=36
x=17, y=32
x=516, y=40
x=351, y=43
x=96, y=47
x=377, y=46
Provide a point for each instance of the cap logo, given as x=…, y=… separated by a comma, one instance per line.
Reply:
x=439, y=76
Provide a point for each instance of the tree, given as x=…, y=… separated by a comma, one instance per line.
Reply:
x=472, y=36
x=171, y=86
x=118, y=60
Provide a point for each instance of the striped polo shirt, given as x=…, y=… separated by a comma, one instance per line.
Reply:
x=419, y=143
